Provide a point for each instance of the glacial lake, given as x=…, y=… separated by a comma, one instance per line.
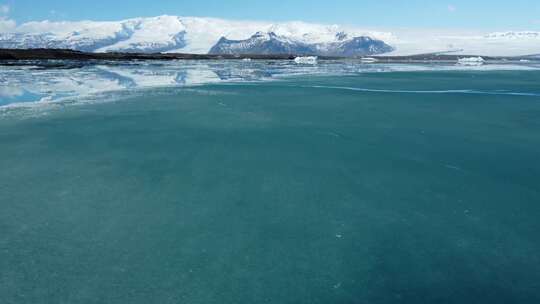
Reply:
x=270, y=182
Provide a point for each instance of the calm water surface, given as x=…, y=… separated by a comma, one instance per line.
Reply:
x=399, y=187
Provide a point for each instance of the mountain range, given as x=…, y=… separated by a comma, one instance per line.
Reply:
x=173, y=34
x=193, y=35
x=271, y=43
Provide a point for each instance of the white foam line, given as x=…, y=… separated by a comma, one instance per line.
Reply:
x=424, y=92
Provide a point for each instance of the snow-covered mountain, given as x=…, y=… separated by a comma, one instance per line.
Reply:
x=158, y=34
x=465, y=42
x=271, y=43
x=166, y=34
x=202, y=35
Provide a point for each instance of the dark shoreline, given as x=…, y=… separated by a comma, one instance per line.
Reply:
x=63, y=54
x=15, y=56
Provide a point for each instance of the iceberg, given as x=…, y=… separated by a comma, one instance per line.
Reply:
x=368, y=60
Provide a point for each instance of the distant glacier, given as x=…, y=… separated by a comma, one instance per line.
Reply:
x=173, y=34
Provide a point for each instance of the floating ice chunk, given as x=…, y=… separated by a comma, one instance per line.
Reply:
x=246, y=59
x=306, y=60
x=368, y=60
x=471, y=61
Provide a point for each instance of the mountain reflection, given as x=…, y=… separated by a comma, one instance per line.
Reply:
x=54, y=81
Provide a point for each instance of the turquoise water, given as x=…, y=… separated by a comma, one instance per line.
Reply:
x=399, y=187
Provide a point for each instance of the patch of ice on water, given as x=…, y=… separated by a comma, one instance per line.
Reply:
x=24, y=86
x=306, y=60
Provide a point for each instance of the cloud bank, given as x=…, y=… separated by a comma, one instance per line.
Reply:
x=6, y=24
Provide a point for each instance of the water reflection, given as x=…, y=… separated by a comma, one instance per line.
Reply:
x=60, y=80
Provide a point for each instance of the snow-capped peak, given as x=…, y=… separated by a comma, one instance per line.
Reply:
x=149, y=34
x=307, y=32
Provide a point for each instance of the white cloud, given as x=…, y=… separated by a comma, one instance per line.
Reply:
x=452, y=8
x=7, y=25
x=4, y=9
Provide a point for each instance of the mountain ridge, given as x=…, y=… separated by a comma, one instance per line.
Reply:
x=159, y=34
x=198, y=35
x=271, y=43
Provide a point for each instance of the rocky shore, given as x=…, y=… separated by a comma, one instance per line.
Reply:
x=14, y=56
x=65, y=54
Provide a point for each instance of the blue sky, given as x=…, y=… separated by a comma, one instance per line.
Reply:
x=471, y=14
